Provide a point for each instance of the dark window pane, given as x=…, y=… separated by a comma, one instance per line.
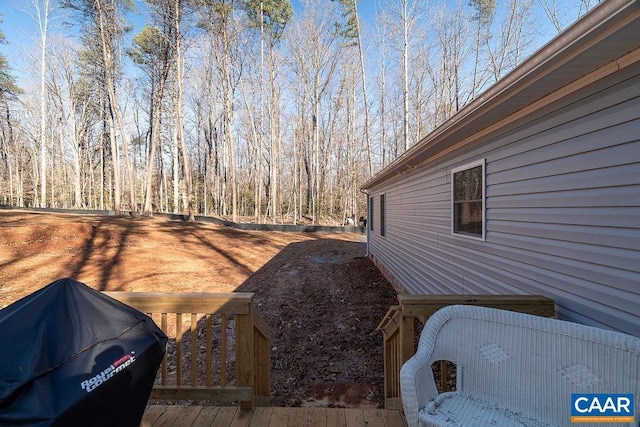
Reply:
x=459, y=184
x=467, y=201
x=468, y=218
x=467, y=184
x=475, y=183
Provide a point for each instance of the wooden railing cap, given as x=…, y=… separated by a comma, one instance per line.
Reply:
x=186, y=302
x=388, y=317
x=405, y=299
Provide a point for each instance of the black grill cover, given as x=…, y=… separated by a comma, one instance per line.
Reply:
x=71, y=356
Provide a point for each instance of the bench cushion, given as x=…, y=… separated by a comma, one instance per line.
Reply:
x=456, y=409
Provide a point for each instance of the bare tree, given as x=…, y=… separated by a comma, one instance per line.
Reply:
x=560, y=15
x=69, y=93
x=267, y=114
x=105, y=17
x=221, y=22
x=353, y=35
x=314, y=60
x=10, y=152
x=154, y=51
x=485, y=12
x=271, y=18
x=40, y=11
x=507, y=49
x=404, y=16
x=383, y=35
x=178, y=13
x=451, y=38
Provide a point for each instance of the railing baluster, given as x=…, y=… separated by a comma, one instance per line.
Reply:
x=179, y=349
x=194, y=349
x=208, y=355
x=223, y=350
x=163, y=326
x=396, y=363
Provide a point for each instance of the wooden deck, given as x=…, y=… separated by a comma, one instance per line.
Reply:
x=201, y=416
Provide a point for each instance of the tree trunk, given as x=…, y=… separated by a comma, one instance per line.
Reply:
x=179, y=112
x=405, y=75
x=367, y=122
x=109, y=65
x=43, y=22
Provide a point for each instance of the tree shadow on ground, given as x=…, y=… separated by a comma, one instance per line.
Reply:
x=105, y=246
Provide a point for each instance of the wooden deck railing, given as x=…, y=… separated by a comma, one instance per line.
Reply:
x=203, y=347
x=399, y=329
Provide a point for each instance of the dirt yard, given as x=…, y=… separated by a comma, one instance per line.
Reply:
x=320, y=296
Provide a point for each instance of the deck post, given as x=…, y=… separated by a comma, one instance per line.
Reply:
x=245, y=354
x=262, y=362
x=407, y=338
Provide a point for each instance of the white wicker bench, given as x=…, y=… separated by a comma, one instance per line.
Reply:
x=514, y=369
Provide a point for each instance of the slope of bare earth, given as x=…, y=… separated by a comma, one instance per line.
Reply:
x=321, y=298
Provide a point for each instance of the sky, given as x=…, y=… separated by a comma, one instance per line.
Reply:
x=22, y=33
x=21, y=29
x=18, y=25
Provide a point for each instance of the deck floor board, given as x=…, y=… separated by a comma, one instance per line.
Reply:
x=207, y=416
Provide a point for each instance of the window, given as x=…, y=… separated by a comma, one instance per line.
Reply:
x=371, y=213
x=382, y=214
x=468, y=200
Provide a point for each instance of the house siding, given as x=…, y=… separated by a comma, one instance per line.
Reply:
x=562, y=211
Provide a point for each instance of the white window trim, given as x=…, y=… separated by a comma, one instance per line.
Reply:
x=466, y=166
x=371, y=213
x=383, y=214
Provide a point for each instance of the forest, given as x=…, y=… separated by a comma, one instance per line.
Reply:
x=253, y=110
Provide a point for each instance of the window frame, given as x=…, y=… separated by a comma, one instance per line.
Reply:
x=371, y=213
x=454, y=171
x=383, y=208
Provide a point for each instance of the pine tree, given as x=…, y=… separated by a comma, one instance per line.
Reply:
x=8, y=87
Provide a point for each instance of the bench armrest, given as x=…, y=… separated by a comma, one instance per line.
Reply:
x=417, y=386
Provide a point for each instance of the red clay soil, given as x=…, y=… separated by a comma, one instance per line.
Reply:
x=319, y=295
